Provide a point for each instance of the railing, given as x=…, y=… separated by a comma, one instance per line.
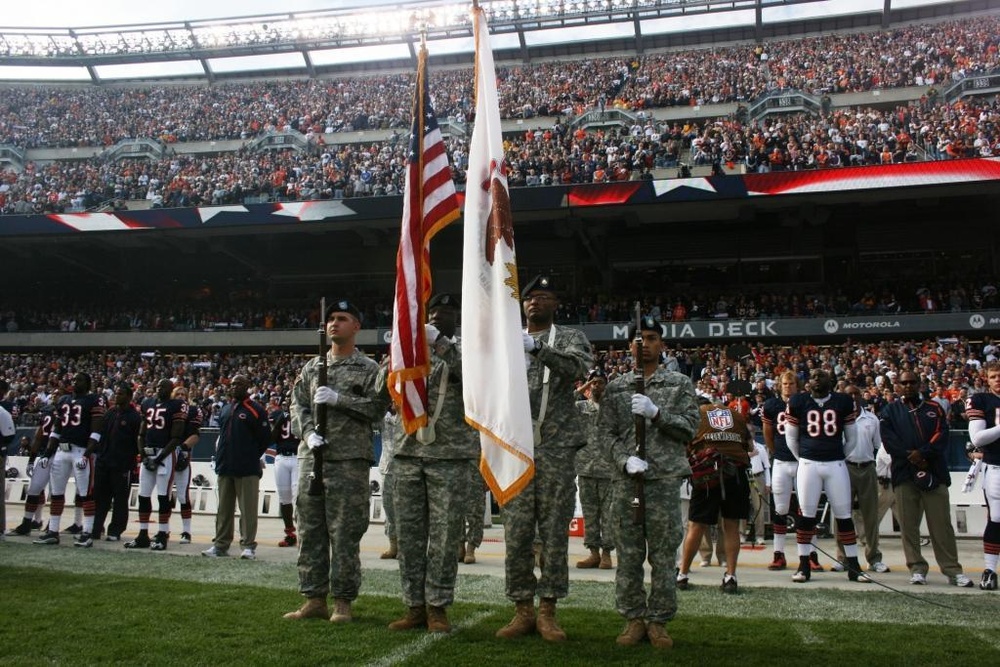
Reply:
x=11, y=157
x=784, y=100
x=979, y=84
x=277, y=141
x=137, y=148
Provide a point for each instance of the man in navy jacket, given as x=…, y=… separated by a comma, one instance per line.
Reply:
x=244, y=435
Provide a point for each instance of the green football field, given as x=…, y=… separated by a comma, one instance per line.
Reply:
x=70, y=606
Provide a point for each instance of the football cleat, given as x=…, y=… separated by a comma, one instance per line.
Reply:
x=48, y=537
x=185, y=538
x=83, y=540
x=159, y=542
x=729, y=584
x=36, y=525
x=860, y=577
x=801, y=576
x=989, y=581
x=814, y=563
x=779, y=562
x=75, y=529
x=23, y=529
x=140, y=542
x=682, y=582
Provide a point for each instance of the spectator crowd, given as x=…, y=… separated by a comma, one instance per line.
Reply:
x=929, y=56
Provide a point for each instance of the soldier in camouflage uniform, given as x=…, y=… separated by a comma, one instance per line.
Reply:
x=558, y=357
x=671, y=413
x=390, y=440
x=475, y=512
x=331, y=526
x=431, y=469
x=593, y=469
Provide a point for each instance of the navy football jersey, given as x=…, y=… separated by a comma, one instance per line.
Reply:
x=774, y=414
x=986, y=406
x=76, y=415
x=821, y=427
x=285, y=442
x=159, y=418
x=194, y=417
x=49, y=416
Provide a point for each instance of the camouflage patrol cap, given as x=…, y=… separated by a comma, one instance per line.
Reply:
x=443, y=299
x=540, y=283
x=646, y=324
x=342, y=306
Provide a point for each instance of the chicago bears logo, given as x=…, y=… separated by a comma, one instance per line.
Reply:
x=720, y=420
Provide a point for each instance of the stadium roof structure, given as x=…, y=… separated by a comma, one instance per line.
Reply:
x=370, y=37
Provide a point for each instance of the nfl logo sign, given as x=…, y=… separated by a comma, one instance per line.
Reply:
x=720, y=420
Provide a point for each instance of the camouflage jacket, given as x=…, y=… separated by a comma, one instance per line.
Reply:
x=453, y=437
x=349, y=422
x=568, y=358
x=666, y=438
x=594, y=460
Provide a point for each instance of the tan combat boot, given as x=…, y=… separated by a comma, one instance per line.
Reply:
x=437, y=619
x=415, y=617
x=392, y=551
x=311, y=608
x=341, y=611
x=470, y=555
x=634, y=632
x=523, y=622
x=606, y=563
x=591, y=561
x=658, y=636
x=547, y=625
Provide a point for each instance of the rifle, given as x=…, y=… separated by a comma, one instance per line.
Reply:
x=316, y=476
x=639, y=483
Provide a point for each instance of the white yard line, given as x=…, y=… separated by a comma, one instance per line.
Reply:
x=415, y=648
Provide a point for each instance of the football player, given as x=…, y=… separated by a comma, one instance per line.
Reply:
x=163, y=427
x=984, y=428
x=38, y=470
x=819, y=428
x=70, y=451
x=784, y=467
x=182, y=467
x=286, y=468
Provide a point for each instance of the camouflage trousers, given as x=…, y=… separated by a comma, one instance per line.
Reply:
x=388, y=503
x=545, y=505
x=475, y=508
x=657, y=540
x=595, y=500
x=430, y=497
x=331, y=527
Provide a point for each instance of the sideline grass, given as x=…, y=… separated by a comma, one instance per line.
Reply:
x=102, y=607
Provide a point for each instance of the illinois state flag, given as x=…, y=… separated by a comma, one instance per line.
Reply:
x=494, y=377
x=429, y=204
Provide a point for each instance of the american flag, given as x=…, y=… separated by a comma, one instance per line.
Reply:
x=429, y=204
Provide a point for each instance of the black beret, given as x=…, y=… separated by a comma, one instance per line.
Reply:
x=646, y=324
x=342, y=306
x=443, y=299
x=597, y=373
x=540, y=282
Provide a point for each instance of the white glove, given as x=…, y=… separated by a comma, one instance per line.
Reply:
x=43, y=462
x=635, y=465
x=432, y=333
x=326, y=395
x=642, y=405
x=30, y=470
x=81, y=464
x=315, y=440
x=530, y=344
